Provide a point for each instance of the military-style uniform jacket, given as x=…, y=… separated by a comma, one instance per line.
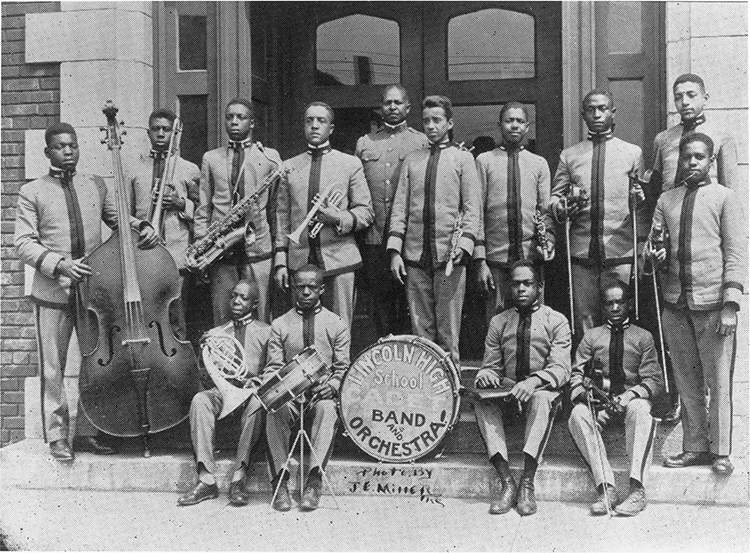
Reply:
x=56, y=222
x=423, y=217
x=536, y=342
x=601, y=233
x=382, y=153
x=216, y=194
x=325, y=330
x=628, y=359
x=252, y=334
x=667, y=153
x=177, y=224
x=305, y=176
x=707, y=251
x=507, y=231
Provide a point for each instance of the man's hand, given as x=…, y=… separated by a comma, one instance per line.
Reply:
x=74, y=270
x=562, y=209
x=459, y=255
x=282, y=277
x=623, y=399
x=487, y=378
x=172, y=200
x=484, y=278
x=636, y=193
x=328, y=215
x=727, y=323
x=549, y=256
x=398, y=269
x=657, y=256
x=523, y=390
x=148, y=238
x=602, y=418
x=323, y=390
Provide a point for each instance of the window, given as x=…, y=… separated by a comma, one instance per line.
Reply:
x=192, y=36
x=491, y=44
x=358, y=50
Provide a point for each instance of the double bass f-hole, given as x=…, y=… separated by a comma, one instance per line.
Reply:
x=110, y=343
x=157, y=326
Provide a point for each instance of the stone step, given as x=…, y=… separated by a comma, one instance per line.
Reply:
x=27, y=464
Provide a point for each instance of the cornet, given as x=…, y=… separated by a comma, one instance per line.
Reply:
x=330, y=196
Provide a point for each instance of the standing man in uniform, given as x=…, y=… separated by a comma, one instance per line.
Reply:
x=382, y=153
x=180, y=199
x=601, y=235
x=527, y=349
x=515, y=190
x=322, y=170
x=228, y=175
x=308, y=323
x=627, y=357
x=207, y=405
x=438, y=187
x=58, y=223
x=706, y=269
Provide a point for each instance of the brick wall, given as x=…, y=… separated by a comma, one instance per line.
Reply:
x=30, y=100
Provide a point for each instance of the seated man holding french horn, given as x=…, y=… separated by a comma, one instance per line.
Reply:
x=244, y=330
x=307, y=324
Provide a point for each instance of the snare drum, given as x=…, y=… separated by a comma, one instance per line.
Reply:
x=400, y=398
x=293, y=379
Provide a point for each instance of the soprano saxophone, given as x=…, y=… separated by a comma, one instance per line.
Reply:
x=224, y=234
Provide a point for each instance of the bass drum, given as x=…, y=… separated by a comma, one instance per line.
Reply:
x=400, y=398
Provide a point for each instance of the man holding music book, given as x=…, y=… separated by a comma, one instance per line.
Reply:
x=207, y=406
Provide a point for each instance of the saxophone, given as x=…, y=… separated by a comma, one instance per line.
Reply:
x=224, y=234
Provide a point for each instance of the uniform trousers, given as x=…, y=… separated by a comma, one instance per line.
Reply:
x=587, y=282
x=323, y=430
x=540, y=414
x=60, y=365
x=390, y=311
x=204, y=409
x=640, y=428
x=224, y=277
x=501, y=278
x=435, y=304
x=700, y=357
x=339, y=296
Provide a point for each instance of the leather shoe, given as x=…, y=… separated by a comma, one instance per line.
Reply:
x=282, y=502
x=722, y=466
x=673, y=416
x=633, y=504
x=200, y=492
x=238, y=494
x=599, y=507
x=505, y=496
x=688, y=459
x=61, y=451
x=311, y=497
x=526, y=501
x=94, y=444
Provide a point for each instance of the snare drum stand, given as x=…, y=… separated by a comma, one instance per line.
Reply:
x=302, y=438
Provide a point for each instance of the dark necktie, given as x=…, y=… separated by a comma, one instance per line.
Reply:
x=313, y=189
x=159, y=161
x=308, y=328
x=683, y=244
x=515, y=222
x=238, y=160
x=429, y=251
x=616, y=372
x=77, y=239
x=596, y=246
x=523, y=344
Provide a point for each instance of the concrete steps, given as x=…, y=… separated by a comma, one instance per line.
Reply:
x=27, y=464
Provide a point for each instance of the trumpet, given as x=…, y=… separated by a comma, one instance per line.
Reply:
x=330, y=196
x=156, y=209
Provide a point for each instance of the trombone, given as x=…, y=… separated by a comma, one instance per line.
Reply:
x=156, y=209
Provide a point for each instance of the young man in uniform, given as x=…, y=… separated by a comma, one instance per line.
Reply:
x=627, y=357
x=706, y=263
x=308, y=323
x=180, y=198
x=601, y=235
x=228, y=175
x=527, y=347
x=58, y=223
x=515, y=188
x=322, y=170
x=436, y=187
x=207, y=405
x=382, y=153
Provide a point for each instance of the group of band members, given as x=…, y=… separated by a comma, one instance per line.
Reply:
x=427, y=209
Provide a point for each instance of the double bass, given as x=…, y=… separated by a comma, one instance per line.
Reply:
x=137, y=377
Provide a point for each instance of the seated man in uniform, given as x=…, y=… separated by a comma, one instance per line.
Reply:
x=207, y=405
x=528, y=348
x=308, y=323
x=627, y=356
